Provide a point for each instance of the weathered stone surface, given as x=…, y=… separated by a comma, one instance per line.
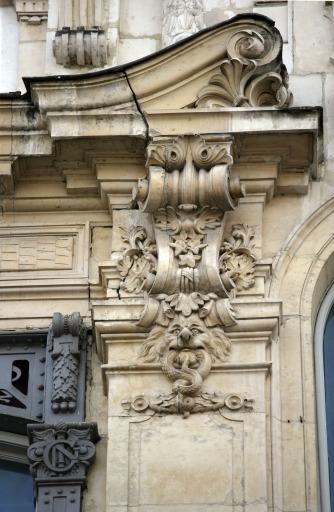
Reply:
x=218, y=293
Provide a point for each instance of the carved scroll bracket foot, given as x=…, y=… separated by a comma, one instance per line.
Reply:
x=176, y=403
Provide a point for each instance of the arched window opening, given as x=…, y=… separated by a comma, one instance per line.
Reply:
x=324, y=364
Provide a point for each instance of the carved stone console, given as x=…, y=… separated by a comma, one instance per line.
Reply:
x=81, y=38
x=172, y=330
x=80, y=47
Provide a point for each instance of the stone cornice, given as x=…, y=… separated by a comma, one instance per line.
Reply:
x=159, y=95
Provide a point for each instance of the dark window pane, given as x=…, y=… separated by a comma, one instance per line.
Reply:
x=16, y=488
x=329, y=393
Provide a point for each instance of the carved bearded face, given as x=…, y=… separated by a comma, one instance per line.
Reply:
x=185, y=333
x=190, y=333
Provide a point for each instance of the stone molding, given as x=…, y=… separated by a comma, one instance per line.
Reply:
x=32, y=12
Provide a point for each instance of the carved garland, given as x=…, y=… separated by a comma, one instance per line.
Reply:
x=189, y=272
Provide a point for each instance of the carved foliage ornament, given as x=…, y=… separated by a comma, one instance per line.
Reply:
x=252, y=76
x=188, y=272
x=186, y=405
x=65, y=344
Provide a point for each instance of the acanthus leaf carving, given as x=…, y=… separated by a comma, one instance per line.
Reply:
x=251, y=75
x=237, y=259
x=187, y=227
x=240, y=85
x=137, y=265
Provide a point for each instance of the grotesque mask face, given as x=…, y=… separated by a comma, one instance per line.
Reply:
x=188, y=333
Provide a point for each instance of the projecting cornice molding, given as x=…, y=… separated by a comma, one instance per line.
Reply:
x=245, y=53
x=228, y=79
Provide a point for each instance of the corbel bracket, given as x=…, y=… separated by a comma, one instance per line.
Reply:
x=65, y=363
x=186, y=269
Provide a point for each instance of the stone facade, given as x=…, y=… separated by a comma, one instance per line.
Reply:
x=183, y=205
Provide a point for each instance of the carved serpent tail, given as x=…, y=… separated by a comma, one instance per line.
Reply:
x=187, y=381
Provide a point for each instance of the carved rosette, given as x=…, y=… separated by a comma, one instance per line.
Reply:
x=253, y=75
x=189, y=271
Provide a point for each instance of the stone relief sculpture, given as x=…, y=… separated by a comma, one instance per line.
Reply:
x=244, y=79
x=181, y=18
x=189, y=271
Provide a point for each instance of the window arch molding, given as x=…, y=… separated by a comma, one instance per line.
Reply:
x=302, y=276
x=321, y=322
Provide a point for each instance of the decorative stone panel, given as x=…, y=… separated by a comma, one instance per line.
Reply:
x=36, y=253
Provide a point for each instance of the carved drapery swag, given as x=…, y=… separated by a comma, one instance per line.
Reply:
x=251, y=75
x=190, y=270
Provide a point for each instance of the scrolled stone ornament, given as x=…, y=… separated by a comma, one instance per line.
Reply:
x=186, y=405
x=239, y=86
x=237, y=259
x=187, y=191
x=262, y=46
x=198, y=174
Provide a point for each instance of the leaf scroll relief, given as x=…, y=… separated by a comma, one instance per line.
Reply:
x=188, y=335
x=240, y=85
x=237, y=259
x=137, y=265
